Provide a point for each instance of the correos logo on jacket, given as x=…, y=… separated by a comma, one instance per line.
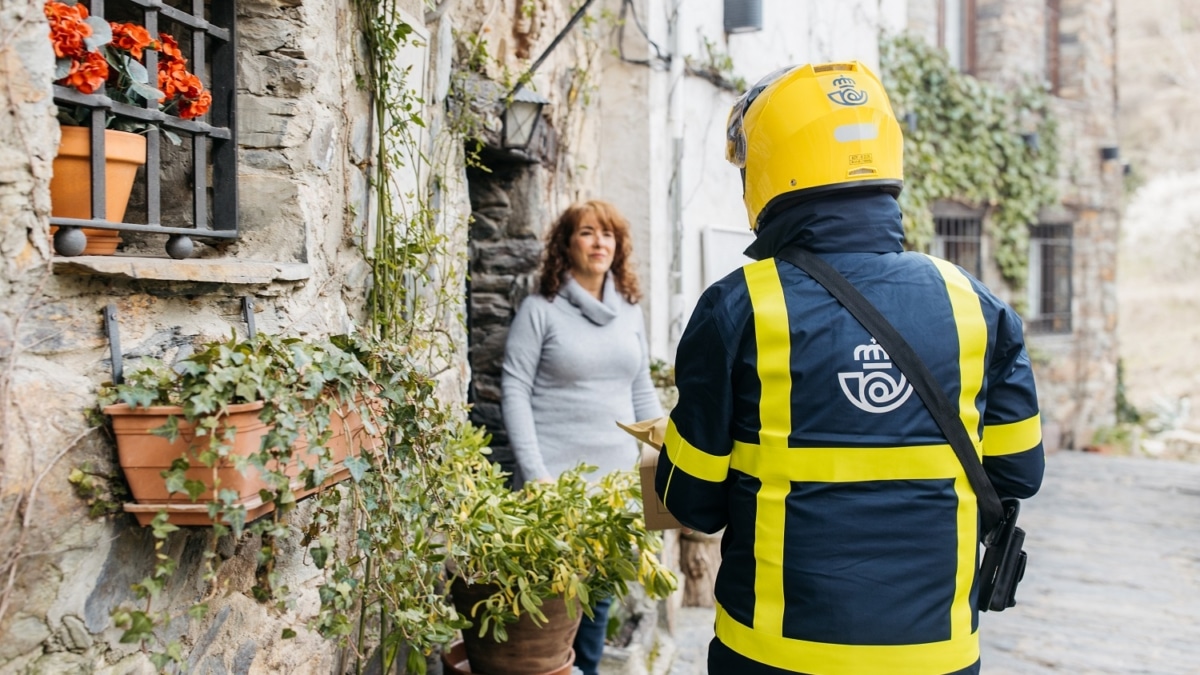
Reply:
x=874, y=388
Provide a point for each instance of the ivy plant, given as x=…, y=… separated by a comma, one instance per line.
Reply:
x=972, y=142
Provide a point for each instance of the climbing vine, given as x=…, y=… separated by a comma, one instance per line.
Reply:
x=411, y=251
x=971, y=142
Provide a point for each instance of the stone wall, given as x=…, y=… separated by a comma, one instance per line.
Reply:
x=305, y=151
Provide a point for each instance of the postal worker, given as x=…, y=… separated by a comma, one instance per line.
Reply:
x=851, y=534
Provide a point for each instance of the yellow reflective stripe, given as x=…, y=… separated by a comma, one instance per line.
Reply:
x=1009, y=439
x=972, y=351
x=770, y=516
x=972, y=343
x=773, y=340
x=692, y=460
x=966, y=550
x=845, y=465
x=774, y=348
x=932, y=658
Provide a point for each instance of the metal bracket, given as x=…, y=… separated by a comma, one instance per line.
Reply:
x=114, y=342
x=248, y=314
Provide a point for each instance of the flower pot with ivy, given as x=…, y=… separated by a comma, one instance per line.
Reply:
x=93, y=55
x=238, y=427
x=530, y=562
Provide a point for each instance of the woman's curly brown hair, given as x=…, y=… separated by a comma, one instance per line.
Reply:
x=556, y=262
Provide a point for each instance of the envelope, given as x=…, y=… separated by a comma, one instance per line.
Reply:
x=650, y=433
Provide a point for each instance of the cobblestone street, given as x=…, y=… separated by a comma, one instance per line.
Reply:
x=1113, y=585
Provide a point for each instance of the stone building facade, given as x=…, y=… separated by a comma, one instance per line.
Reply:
x=1071, y=46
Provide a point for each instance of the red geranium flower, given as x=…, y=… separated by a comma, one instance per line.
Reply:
x=88, y=74
x=68, y=28
x=89, y=64
x=132, y=38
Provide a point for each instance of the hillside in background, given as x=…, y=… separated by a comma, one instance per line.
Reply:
x=1159, y=269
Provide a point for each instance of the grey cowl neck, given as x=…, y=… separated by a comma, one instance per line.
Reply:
x=599, y=313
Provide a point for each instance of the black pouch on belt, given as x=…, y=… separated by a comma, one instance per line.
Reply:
x=1003, y=564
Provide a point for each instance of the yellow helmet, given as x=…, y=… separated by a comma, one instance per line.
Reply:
x=810, y=130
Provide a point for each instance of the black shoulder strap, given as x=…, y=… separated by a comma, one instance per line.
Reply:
x=927, y=387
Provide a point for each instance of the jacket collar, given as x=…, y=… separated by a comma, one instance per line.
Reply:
x=847, y=223
x=599, y=313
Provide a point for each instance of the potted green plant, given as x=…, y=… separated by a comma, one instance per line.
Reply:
x=238, y=427
x=529, y=562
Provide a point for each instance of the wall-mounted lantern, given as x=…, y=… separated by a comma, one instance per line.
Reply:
x=910, y=120
x=743, y=16
x=1109, y=152
x=1031, y=140
x=521, y=118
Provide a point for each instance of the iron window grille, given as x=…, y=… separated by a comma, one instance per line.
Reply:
x=959, y=239
x=1050, y=253
x=210, y=30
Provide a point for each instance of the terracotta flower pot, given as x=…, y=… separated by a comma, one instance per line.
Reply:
x=71, y=185
x=530, y=650
x=348, y=438
x=454, y=662
x=144, y=457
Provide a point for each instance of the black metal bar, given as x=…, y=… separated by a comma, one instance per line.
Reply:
x=145, y=115
x=553, y=43
x=200, y=181
x=224, y=114
x=153, y=135
x=195, y=20
x=152, y=229
x=248, y=314
x=96, y=170
x=199, y=143
x=114, y=342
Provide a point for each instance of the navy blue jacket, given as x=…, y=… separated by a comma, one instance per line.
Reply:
x=851, y=532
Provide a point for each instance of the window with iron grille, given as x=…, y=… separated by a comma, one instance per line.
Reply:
x=1050, y=278
x=187, y=188
x=958, y=237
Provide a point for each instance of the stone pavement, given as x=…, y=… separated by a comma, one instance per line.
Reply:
x=1113, y=584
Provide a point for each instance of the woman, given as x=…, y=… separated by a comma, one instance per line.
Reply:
x=576, y=361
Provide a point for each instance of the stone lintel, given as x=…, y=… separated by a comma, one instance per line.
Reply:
x=224, y=270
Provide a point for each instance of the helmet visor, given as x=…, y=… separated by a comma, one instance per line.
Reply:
x=735, y=133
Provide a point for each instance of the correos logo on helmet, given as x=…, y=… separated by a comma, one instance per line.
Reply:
x=847, y=92
x=810, y=130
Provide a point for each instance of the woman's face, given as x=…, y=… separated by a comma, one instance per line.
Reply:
x=591, y=248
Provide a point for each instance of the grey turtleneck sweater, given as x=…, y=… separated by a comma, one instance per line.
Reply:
x=573, y=368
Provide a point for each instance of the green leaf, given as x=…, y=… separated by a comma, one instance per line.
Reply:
x=288, y=634
x=146, y=91
x=140, y=627
x=62, y=68
x=101, y=33
x=357, y=466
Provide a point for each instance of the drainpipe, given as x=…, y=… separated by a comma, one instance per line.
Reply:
x=675, y=307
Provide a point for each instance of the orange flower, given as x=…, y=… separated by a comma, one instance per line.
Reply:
x=170, y=49
x=172, y=79
x=191, y=108
x=88, y=74
x=68, y=28
x=88, y=70
x=131, y=38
